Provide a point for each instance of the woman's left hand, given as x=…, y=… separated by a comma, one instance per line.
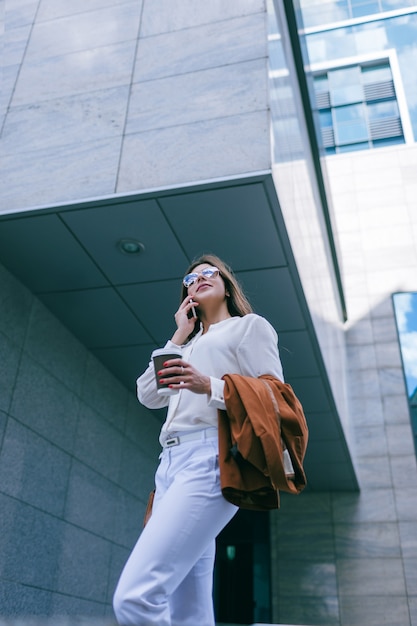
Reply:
x=182, y=375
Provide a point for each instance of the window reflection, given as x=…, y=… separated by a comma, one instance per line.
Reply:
x=390, y=5
x=321, y=12
x=352, y=147
x=381, y=110
x=321, y=83
x=317, y=12
x=355, y=112
x=357, y=107
x=333, y=44
x=399, y=33
x=345, y=86
x=359, y=9
x=326, y=120
x=405, y=307
x=350, y=124
x=376, y=74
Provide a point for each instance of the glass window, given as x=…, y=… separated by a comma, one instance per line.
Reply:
x=321, y=83
x=397, y=32
x=357, y=105
x=345, y=86
x=405, y=307
x=350, y=124
x=322, y=12
x=381, y=110
x=376, y=74
x=334, y=44
x=353, y=112
x=326, y=119
x=360, y=8
x=353, y=147
x=390, y=5
x=388, y=141
x=345, y=94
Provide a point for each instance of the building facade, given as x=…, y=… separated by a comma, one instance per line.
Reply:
x=190, y=128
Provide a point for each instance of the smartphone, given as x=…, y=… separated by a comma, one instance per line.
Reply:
x=192, y=313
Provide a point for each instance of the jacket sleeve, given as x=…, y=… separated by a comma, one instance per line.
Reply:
x=266, y=411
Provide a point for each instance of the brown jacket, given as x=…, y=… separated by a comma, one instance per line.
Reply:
x=262, y=417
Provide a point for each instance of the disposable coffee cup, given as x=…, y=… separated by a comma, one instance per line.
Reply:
x=159, y=357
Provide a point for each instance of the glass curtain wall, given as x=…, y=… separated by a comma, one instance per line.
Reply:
x=347, y=42
x=405, y=307
x=319, y=12
x=357, y=107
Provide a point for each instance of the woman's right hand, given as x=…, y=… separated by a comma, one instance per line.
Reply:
x=185, y=324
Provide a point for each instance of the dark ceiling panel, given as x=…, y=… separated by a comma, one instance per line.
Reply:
x=323, y=476
x=297, y=354
x=272, y=294
x=235, y=223
x=98, y=317
x=333, y=451
x=100, y=229
x=312, y=394
x=126, y=363
x=155, y=305
x=323, y=426
x=45, y=256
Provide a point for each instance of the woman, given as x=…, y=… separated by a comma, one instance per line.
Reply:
x=167, y=580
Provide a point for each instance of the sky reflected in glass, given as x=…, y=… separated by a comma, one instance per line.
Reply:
x=382, y=35
x=405, y=306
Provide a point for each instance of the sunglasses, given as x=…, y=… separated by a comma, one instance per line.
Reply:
x=207, y=272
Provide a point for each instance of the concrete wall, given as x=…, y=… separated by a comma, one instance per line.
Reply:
x=77, y=458
x=352, y=559
x=108, y=97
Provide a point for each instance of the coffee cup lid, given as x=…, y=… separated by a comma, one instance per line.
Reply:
x=160, y=351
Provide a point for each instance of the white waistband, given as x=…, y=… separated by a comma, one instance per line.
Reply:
x=177, y=438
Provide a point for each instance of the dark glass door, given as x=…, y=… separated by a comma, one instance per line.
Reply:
x=242, y=571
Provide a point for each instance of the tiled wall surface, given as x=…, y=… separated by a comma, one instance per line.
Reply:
x=352, y=559
x=77, y=458
x=126, y=95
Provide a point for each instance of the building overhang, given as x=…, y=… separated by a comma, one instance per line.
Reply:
x=121, y=305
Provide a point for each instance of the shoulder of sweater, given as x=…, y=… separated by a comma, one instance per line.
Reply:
x=253, y=319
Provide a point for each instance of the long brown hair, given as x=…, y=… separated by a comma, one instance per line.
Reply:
x=237, y=303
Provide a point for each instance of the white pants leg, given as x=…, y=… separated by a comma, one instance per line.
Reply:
x=167, y=580
x=192, y=601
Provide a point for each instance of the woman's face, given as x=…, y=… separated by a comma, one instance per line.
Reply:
x=207, y=289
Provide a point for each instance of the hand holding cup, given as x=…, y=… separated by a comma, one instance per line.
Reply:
x=159, y=357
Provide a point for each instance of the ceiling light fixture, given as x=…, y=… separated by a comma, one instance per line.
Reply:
x=130, y=246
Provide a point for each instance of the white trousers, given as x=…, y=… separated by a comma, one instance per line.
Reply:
x=168, y=578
